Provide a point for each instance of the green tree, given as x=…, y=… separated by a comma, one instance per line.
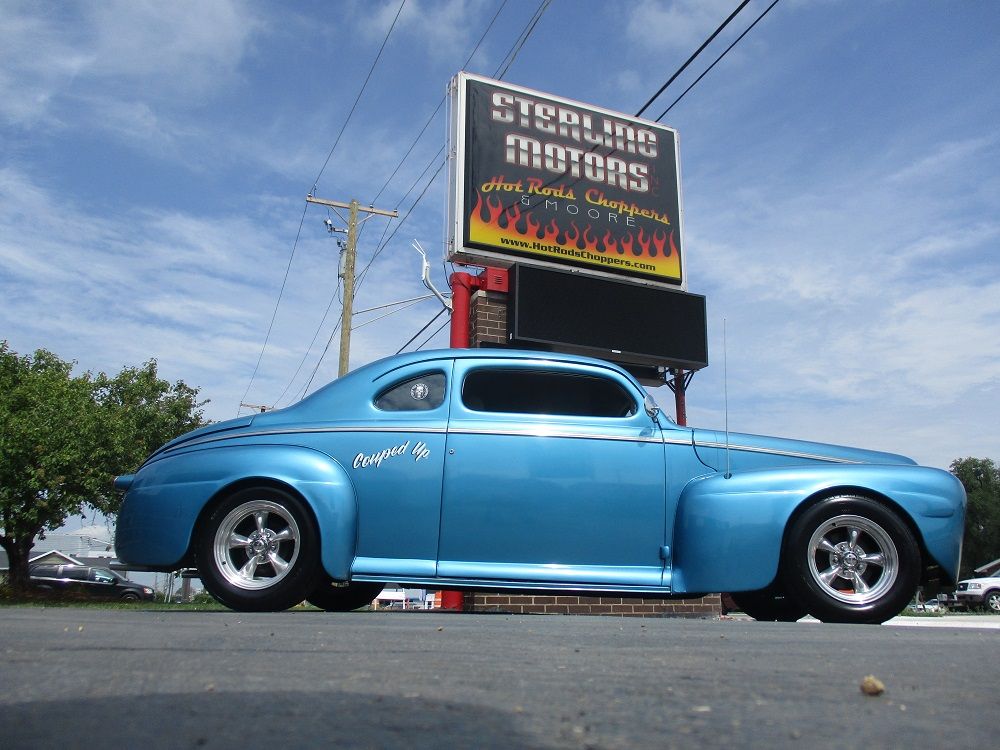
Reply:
x=981, y=544
x=63, y=438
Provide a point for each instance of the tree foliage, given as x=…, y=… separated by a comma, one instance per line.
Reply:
x=981, y=478
x=63, y=438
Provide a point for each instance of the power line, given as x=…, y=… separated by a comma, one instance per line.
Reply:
x=400, y=223
x=509, y=58
x=298, y=233
x=724, y=53
x=319, y=361
x=305, y=356
x=697, y=52
x=360, y=93
x=439, y=105
x=512, y=55
x=428, y=340
x=274, y=314
x=388, y=181
x=426, y=326
x=530, y=27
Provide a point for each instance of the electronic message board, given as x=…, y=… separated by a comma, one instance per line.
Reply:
x=611, y=319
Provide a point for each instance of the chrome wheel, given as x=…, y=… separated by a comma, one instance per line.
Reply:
x=849, y=558
x=853, y=559
x=256, y=545
x=993, y=602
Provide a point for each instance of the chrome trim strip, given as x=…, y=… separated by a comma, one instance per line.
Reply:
x=537, y=432
x=490, y=584
x=675, y=441
x=291, y=431
x=776, y=452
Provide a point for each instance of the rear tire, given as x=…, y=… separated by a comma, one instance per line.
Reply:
x=258, y=550
x=343, y=598
x=851, y=559
x=769, y=605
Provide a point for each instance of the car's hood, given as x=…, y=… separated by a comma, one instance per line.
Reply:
x=758, y=451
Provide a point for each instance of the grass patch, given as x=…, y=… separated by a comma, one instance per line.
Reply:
x=200, y=603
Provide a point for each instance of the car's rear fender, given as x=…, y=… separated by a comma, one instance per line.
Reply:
x=730, y=531
x=168, y=497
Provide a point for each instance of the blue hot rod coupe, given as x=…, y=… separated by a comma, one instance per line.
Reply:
x=501, y=469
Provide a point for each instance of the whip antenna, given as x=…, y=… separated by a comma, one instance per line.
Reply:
x=725, y=391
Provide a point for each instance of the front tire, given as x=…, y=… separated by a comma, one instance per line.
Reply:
x=991, y=603
x=258, y=550
x=850, y=559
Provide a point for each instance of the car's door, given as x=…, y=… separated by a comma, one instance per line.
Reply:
x=554, y=473
x=101, y=583
x=395, y=460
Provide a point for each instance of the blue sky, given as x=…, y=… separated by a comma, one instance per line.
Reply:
x=840, y=183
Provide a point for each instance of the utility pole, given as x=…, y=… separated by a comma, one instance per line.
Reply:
x=350, y=258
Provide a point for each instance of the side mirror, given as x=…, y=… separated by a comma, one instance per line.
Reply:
x=651, y=408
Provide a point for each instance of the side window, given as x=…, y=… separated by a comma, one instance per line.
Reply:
x=75, y=573
x=102, y=576
x=421, y=393
x=538, y=392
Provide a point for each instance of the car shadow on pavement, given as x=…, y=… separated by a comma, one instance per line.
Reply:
x=221, y=719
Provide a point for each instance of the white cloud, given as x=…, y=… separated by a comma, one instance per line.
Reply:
x=681, y=25
x=862, y=309
x=441, y=29
x=124, y=55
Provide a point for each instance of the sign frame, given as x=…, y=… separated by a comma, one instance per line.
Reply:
x=583, y=258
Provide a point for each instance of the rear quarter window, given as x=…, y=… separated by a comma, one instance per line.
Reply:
x=422, y=393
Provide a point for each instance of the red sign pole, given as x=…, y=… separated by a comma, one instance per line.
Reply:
x=680, y=397
x=461, y=295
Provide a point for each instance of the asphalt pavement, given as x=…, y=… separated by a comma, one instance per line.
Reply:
x=88, y=678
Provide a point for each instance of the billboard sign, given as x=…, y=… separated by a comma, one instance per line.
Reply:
x=548, y=181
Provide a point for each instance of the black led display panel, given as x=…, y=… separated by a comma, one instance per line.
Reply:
x=615, y=320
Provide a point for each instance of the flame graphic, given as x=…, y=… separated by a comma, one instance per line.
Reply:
x=513, y=228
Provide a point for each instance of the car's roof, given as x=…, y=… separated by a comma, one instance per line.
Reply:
x=403, y=360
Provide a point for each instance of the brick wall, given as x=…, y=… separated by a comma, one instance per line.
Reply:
x=706, y=606
x=488, y=318
x=488, y=324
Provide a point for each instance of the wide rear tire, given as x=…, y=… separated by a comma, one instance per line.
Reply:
x=258, y=550
x=343, y=598
x=769, y=605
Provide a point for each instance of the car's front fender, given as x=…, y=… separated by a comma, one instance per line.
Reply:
x=729, y=531
x=167, y=496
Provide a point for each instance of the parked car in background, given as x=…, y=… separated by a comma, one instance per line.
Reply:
x=504, y=469
x=977, y=593
x=85, y=580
